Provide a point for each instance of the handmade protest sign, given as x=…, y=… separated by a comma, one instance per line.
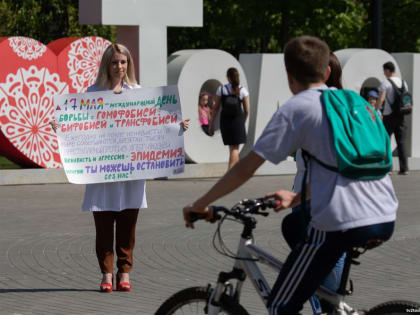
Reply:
x=107, y=137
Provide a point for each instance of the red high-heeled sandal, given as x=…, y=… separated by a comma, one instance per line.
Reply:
x=122, y=286
x=107, y=287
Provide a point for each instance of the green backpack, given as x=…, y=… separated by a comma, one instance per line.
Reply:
x=361, y=142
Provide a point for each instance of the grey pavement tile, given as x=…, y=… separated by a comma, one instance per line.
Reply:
x=48, y=263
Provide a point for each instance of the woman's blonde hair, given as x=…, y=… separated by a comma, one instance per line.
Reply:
x=103, y=79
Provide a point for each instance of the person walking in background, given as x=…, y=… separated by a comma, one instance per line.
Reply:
x=204, y=112
x=233, y=99
x=115, y=202
x=394, y=121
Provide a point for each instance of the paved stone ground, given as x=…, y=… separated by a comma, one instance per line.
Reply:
x=48, y=264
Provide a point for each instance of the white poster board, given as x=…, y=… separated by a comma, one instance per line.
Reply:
x=108, y=137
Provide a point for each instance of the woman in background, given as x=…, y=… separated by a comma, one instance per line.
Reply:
x=233, y=99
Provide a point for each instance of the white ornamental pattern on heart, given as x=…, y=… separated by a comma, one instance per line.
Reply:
x=27, y=48
x=26, y=108
x=84, y=59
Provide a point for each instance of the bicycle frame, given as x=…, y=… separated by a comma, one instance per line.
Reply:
x=246, y=265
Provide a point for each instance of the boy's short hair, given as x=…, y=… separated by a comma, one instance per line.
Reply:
x=389, y=66
x=306, y=59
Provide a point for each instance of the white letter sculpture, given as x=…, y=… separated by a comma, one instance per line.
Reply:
x=142, y=28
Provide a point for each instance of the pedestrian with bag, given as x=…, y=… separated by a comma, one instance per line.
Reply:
x=396, y=102
x=233, y=100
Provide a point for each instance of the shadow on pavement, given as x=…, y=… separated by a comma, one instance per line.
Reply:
x=45, y=290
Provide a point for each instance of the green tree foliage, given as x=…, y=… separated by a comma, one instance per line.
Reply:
x=401, y=25
x=247, y=26
x=341, y=23
x=266, y=25
x=256, y=26
x=46, y=20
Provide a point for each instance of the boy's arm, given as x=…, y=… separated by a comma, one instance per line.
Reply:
x=288, y=199
x=234, y=178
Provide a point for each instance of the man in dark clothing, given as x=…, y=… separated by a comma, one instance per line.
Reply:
x=395, y=123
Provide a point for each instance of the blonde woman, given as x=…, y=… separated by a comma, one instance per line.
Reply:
x=116, y=202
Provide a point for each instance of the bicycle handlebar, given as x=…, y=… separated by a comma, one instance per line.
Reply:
x=239, y=211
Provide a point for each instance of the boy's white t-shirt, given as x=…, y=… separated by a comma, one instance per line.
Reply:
x=337, y=202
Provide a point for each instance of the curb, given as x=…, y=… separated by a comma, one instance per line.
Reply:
x=192, y=171
x=197, y=171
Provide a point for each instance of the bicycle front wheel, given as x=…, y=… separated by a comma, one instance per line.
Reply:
x=395, y=308
x=194, y=300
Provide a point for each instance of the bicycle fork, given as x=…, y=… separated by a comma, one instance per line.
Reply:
x=224, y=286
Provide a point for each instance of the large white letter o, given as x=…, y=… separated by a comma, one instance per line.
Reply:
x=360, y=64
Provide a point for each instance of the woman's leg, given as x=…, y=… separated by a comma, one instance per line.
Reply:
x=104, y=224
x=332, y=282
x=125, y=240
x=233, y=155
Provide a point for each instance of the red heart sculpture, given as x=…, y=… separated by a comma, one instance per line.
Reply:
x=30, y=75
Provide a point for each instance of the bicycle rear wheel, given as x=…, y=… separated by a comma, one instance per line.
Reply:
x=194, y=300
x=395, y=308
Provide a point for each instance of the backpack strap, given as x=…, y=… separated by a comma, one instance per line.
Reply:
x=404, y=86
x=395, y=87
x=305, y=213
x=310, y=156
x=306, y=156
x=398, y=91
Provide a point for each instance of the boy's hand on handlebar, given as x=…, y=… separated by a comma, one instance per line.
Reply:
x=193, y=213
x=286, y=199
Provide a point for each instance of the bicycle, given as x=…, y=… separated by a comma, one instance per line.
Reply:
x=224, y=297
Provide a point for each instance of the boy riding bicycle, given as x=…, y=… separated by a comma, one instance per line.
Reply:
x=345, y=212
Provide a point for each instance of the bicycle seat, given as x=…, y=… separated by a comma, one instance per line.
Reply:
x=357, y=251
x=373, y=243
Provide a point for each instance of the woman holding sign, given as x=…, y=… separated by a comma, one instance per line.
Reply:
x=116, y=202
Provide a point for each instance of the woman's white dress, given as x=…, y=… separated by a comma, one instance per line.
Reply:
x=116, y=196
